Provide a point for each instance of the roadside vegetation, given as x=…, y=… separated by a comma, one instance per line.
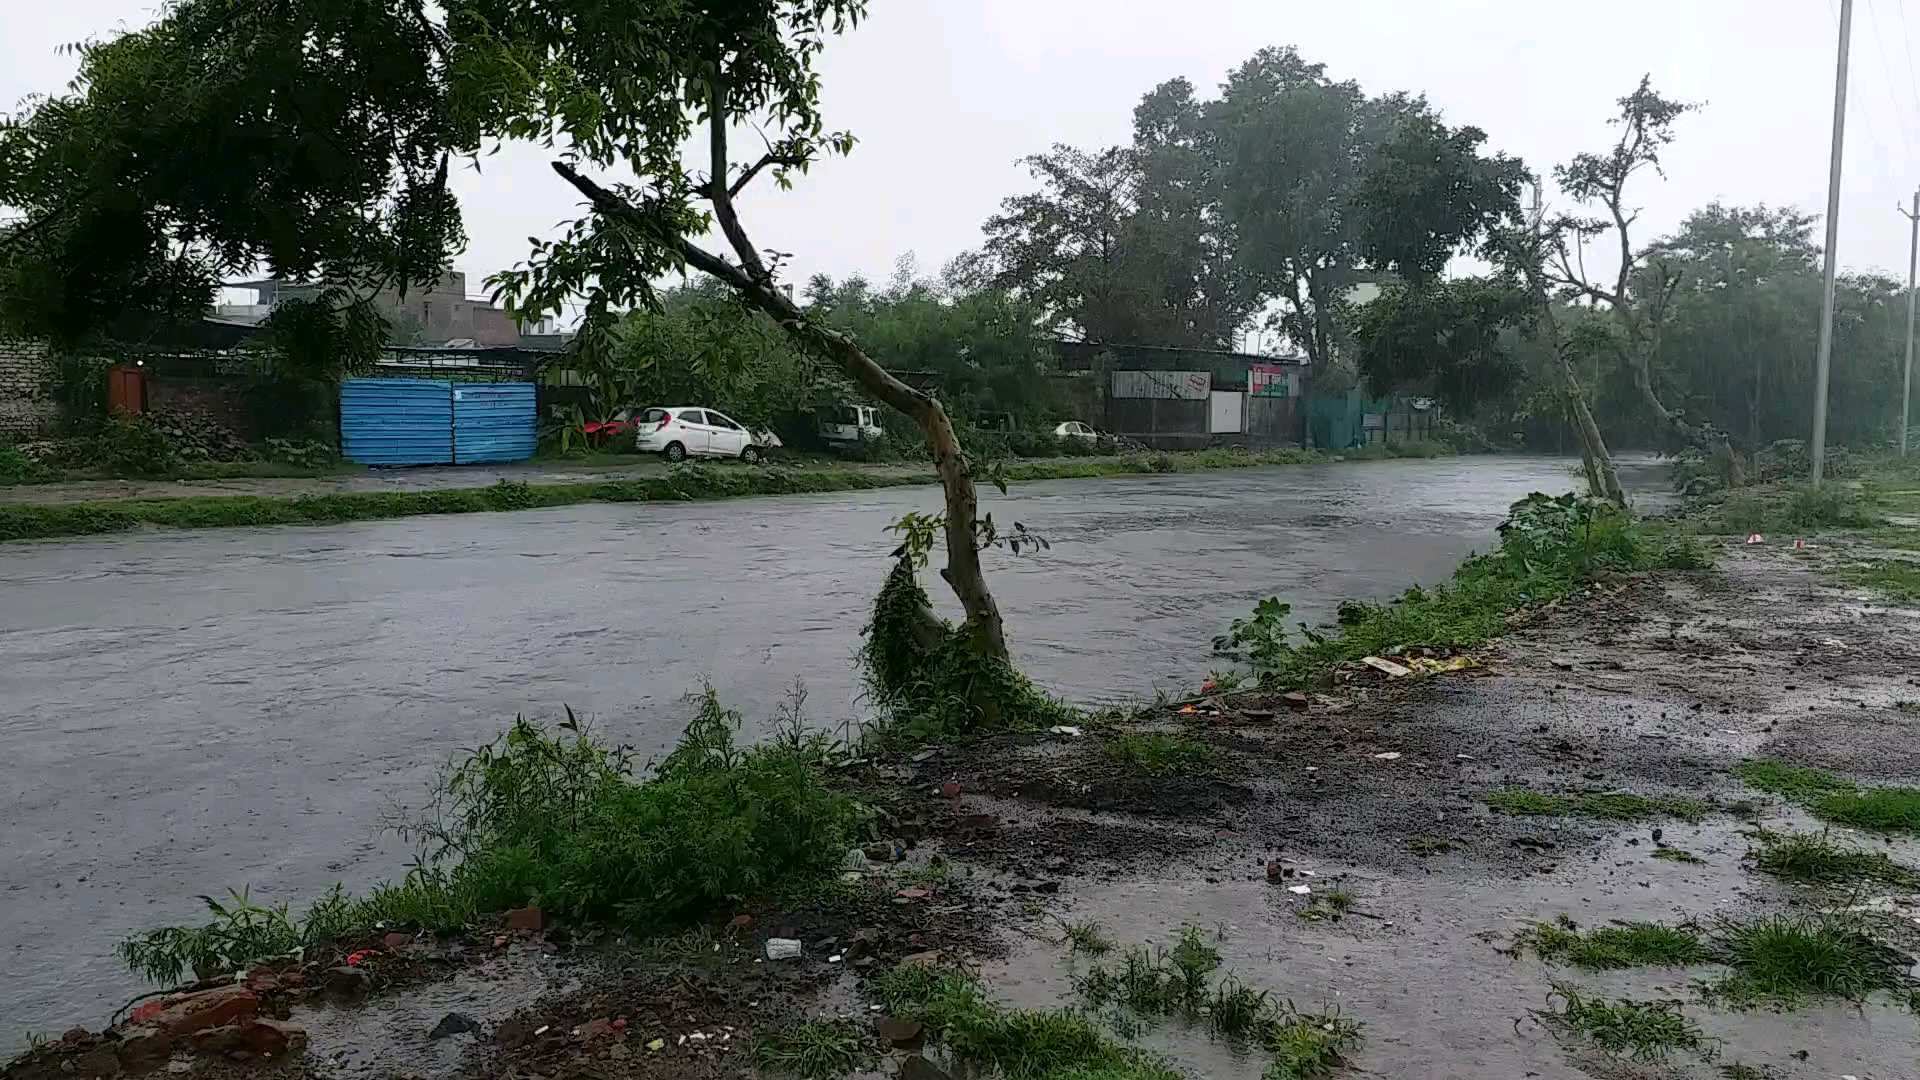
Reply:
x=1611, y=947
x=1610, y=806
x=1549, y=546
x=1157, y=754
x=558, y=818
x=684, y=483
x=1836, y=799
x=1644, y=1030
x=1816, y=859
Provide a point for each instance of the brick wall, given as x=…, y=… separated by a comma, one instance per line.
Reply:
x=26, y=411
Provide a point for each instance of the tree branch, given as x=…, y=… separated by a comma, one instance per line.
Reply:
x=770, y=158
x=717, y=189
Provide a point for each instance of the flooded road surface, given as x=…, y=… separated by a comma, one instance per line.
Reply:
x=187, y=712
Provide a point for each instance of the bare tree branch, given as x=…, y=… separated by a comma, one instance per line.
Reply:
x=770, y=158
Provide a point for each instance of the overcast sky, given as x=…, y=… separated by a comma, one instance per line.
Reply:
x=946, y=95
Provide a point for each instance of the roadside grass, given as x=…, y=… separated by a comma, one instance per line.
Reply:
x=1158, y=755
x=1895, y=579
x=558, y=818
x=816, y=1050
x=1329, y=906
x=1087, y=936
x=1610, y=806
x=1789, y=508
x=1549, y=547
x=204, y=470
x=1017, y=1043
x=24, y=521
x=1783, y=960
x=1817, y=860
x=1835, y=798
x=1429, y=845
x=1679, y=855
x=1646, y=1030
x=1610, y=948
x=1308, y=1045
x=1178, y=982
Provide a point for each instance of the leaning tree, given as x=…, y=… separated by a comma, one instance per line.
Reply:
x=314, y=137
x=1639, y=295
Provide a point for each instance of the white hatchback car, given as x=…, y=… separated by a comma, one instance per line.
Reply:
x=1074, y=429
x=683, y=431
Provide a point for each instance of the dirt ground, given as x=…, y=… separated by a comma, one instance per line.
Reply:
x=1655, y=686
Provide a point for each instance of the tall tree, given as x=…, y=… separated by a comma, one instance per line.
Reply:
x=1324, y=187
x=363, y=101
x=1448, y=339
x=1640, y=294
x=312, y=138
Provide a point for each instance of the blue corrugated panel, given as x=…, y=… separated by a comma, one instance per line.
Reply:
x=493, y=422
x=396, y=421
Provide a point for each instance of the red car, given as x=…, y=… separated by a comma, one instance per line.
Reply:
x=602, y=432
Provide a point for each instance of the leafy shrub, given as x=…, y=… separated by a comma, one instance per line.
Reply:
x=18, y=467
x=241, y=935
x=929, y=679
x=308, y=454
x=557, y=819
x=1548, y=546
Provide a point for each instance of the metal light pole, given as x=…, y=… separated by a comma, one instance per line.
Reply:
x=1825, y=362
x=1913, y=261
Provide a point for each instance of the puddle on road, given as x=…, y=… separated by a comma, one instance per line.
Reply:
x=367, y=1039
x=1420, y=962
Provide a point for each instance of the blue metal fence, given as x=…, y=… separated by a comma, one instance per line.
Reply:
x=435, y=422
x=492, y=422
x=396, y=421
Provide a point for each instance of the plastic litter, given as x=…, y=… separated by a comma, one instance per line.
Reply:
x=1066, y=729
x=1391, y=755
x=780, y=948
x=1755, y=538
x=1300, y=890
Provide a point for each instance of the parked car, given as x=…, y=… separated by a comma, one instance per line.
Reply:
x=1074, y=429
x=602, y=432
x=682, y=431
x=846, y=424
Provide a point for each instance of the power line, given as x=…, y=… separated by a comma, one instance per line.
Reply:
x=1886, y=71
x=1906, y=39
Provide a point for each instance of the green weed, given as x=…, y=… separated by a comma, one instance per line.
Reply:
x=1785, y=959
x=558, y=819
x=1307, y=1045
x=1895, y=579
x=1236, y=1009
x=1020, y=1044
x=1679, y=855
x=1739, y=1071
x=1549, y=545
x=1429, y=845
x=1836, y=799
x=1329, y=906
x=1612, y=947
x=1157, y=755
x=816, y=1050
x=1648, y=1030
x=1089, y=937
x=1612, y=806
x=1816, y=859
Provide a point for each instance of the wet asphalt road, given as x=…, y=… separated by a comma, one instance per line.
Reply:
x=188, y=712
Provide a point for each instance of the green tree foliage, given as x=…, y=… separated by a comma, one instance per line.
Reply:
x=1324, y=187
x=1453, y=340
x=313, y=138
x=984, y=348
x=700, y=344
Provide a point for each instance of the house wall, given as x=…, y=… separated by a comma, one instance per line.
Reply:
x=26, y=409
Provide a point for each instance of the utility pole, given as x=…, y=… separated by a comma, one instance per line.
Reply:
x=1913, y=261
x=1824, y=365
